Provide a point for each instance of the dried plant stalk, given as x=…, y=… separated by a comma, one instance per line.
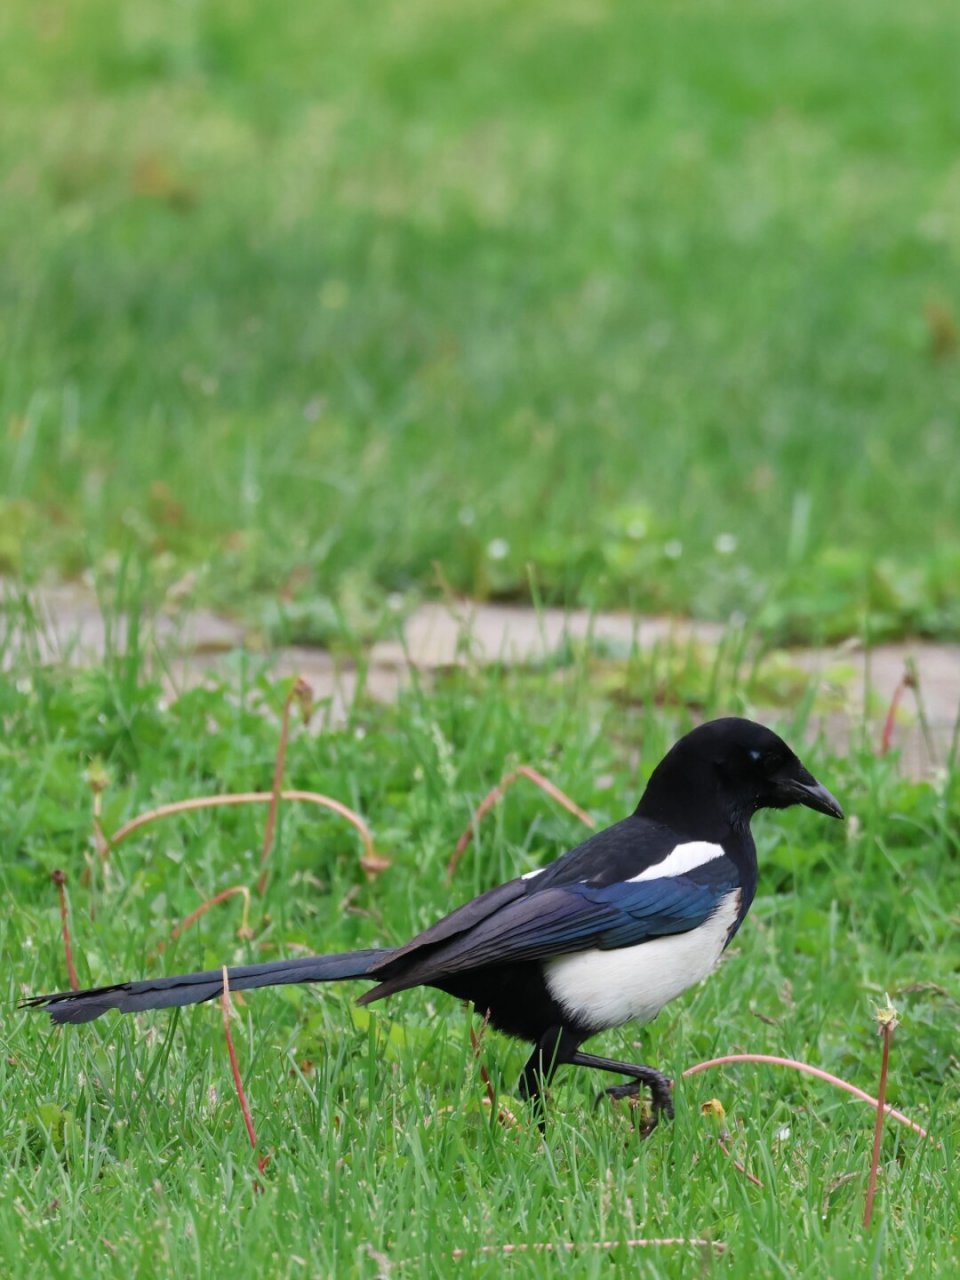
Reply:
x=223, y=896
x=302, y=693
x=887, y=1024
x=234, y=1065
x=886, y=737
x=98, y=779
x=475, y=1044
x=769, y=1060
x=504, y=1114
x=497, y=793
x=59, y=878
x=738, y=1164
x=370, y=857
x=570, y=1246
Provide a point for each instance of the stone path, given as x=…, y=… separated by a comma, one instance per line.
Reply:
x=437, y=637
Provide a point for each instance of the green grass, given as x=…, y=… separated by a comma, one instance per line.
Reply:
x=647, y=305
x=654, y=298
x=124, y=1152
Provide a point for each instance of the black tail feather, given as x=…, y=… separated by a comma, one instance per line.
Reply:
x=193, y=988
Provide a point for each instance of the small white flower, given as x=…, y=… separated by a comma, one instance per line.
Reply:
x=725, y=544
x=498, y=549
x=637, y=529
x=673, y=549
x=466, y=516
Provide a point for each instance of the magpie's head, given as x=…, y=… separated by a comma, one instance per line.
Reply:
x=733, y=767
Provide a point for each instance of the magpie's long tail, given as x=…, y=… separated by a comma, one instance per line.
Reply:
x=192, y=988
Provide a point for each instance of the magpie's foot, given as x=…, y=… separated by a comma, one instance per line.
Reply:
x=661, y=1101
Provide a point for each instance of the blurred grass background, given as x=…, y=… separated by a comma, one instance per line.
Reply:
x=650, y=305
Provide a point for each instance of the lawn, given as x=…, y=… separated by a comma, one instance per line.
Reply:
x=645, y=305
x=312, y=310
x=125, y=1151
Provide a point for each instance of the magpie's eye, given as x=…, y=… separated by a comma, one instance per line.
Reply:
x=767, y=760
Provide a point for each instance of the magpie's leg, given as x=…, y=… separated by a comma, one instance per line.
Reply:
x=553, y=1047
x=660, y=1086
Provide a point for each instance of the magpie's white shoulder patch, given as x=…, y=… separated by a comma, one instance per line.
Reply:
x=681, y=859
x=528, y=875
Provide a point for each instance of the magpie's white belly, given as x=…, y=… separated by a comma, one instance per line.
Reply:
x=607, y=988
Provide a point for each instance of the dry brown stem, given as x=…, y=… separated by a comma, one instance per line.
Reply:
x=223, y=896
x=300, y=692
x=887, y=1024
x=371, y=862
x=59, y=878
x=769, y=1060
x=497, y=793
x=234, y=1065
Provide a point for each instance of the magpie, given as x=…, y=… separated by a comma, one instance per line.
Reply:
x=607, y=934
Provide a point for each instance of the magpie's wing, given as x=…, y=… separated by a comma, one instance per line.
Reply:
x=564, y=919
x=614, y=854
x=463, y=919
x=618, y=853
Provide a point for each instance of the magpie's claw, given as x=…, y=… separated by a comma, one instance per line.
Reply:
x=661, y=1103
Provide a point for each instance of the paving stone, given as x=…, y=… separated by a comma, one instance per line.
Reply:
x=70, y=627
x=198, y=645
x=926, y=719
x=438, y=636
x=335, y=684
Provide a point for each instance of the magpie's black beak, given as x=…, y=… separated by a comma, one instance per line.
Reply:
x=803, y=788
